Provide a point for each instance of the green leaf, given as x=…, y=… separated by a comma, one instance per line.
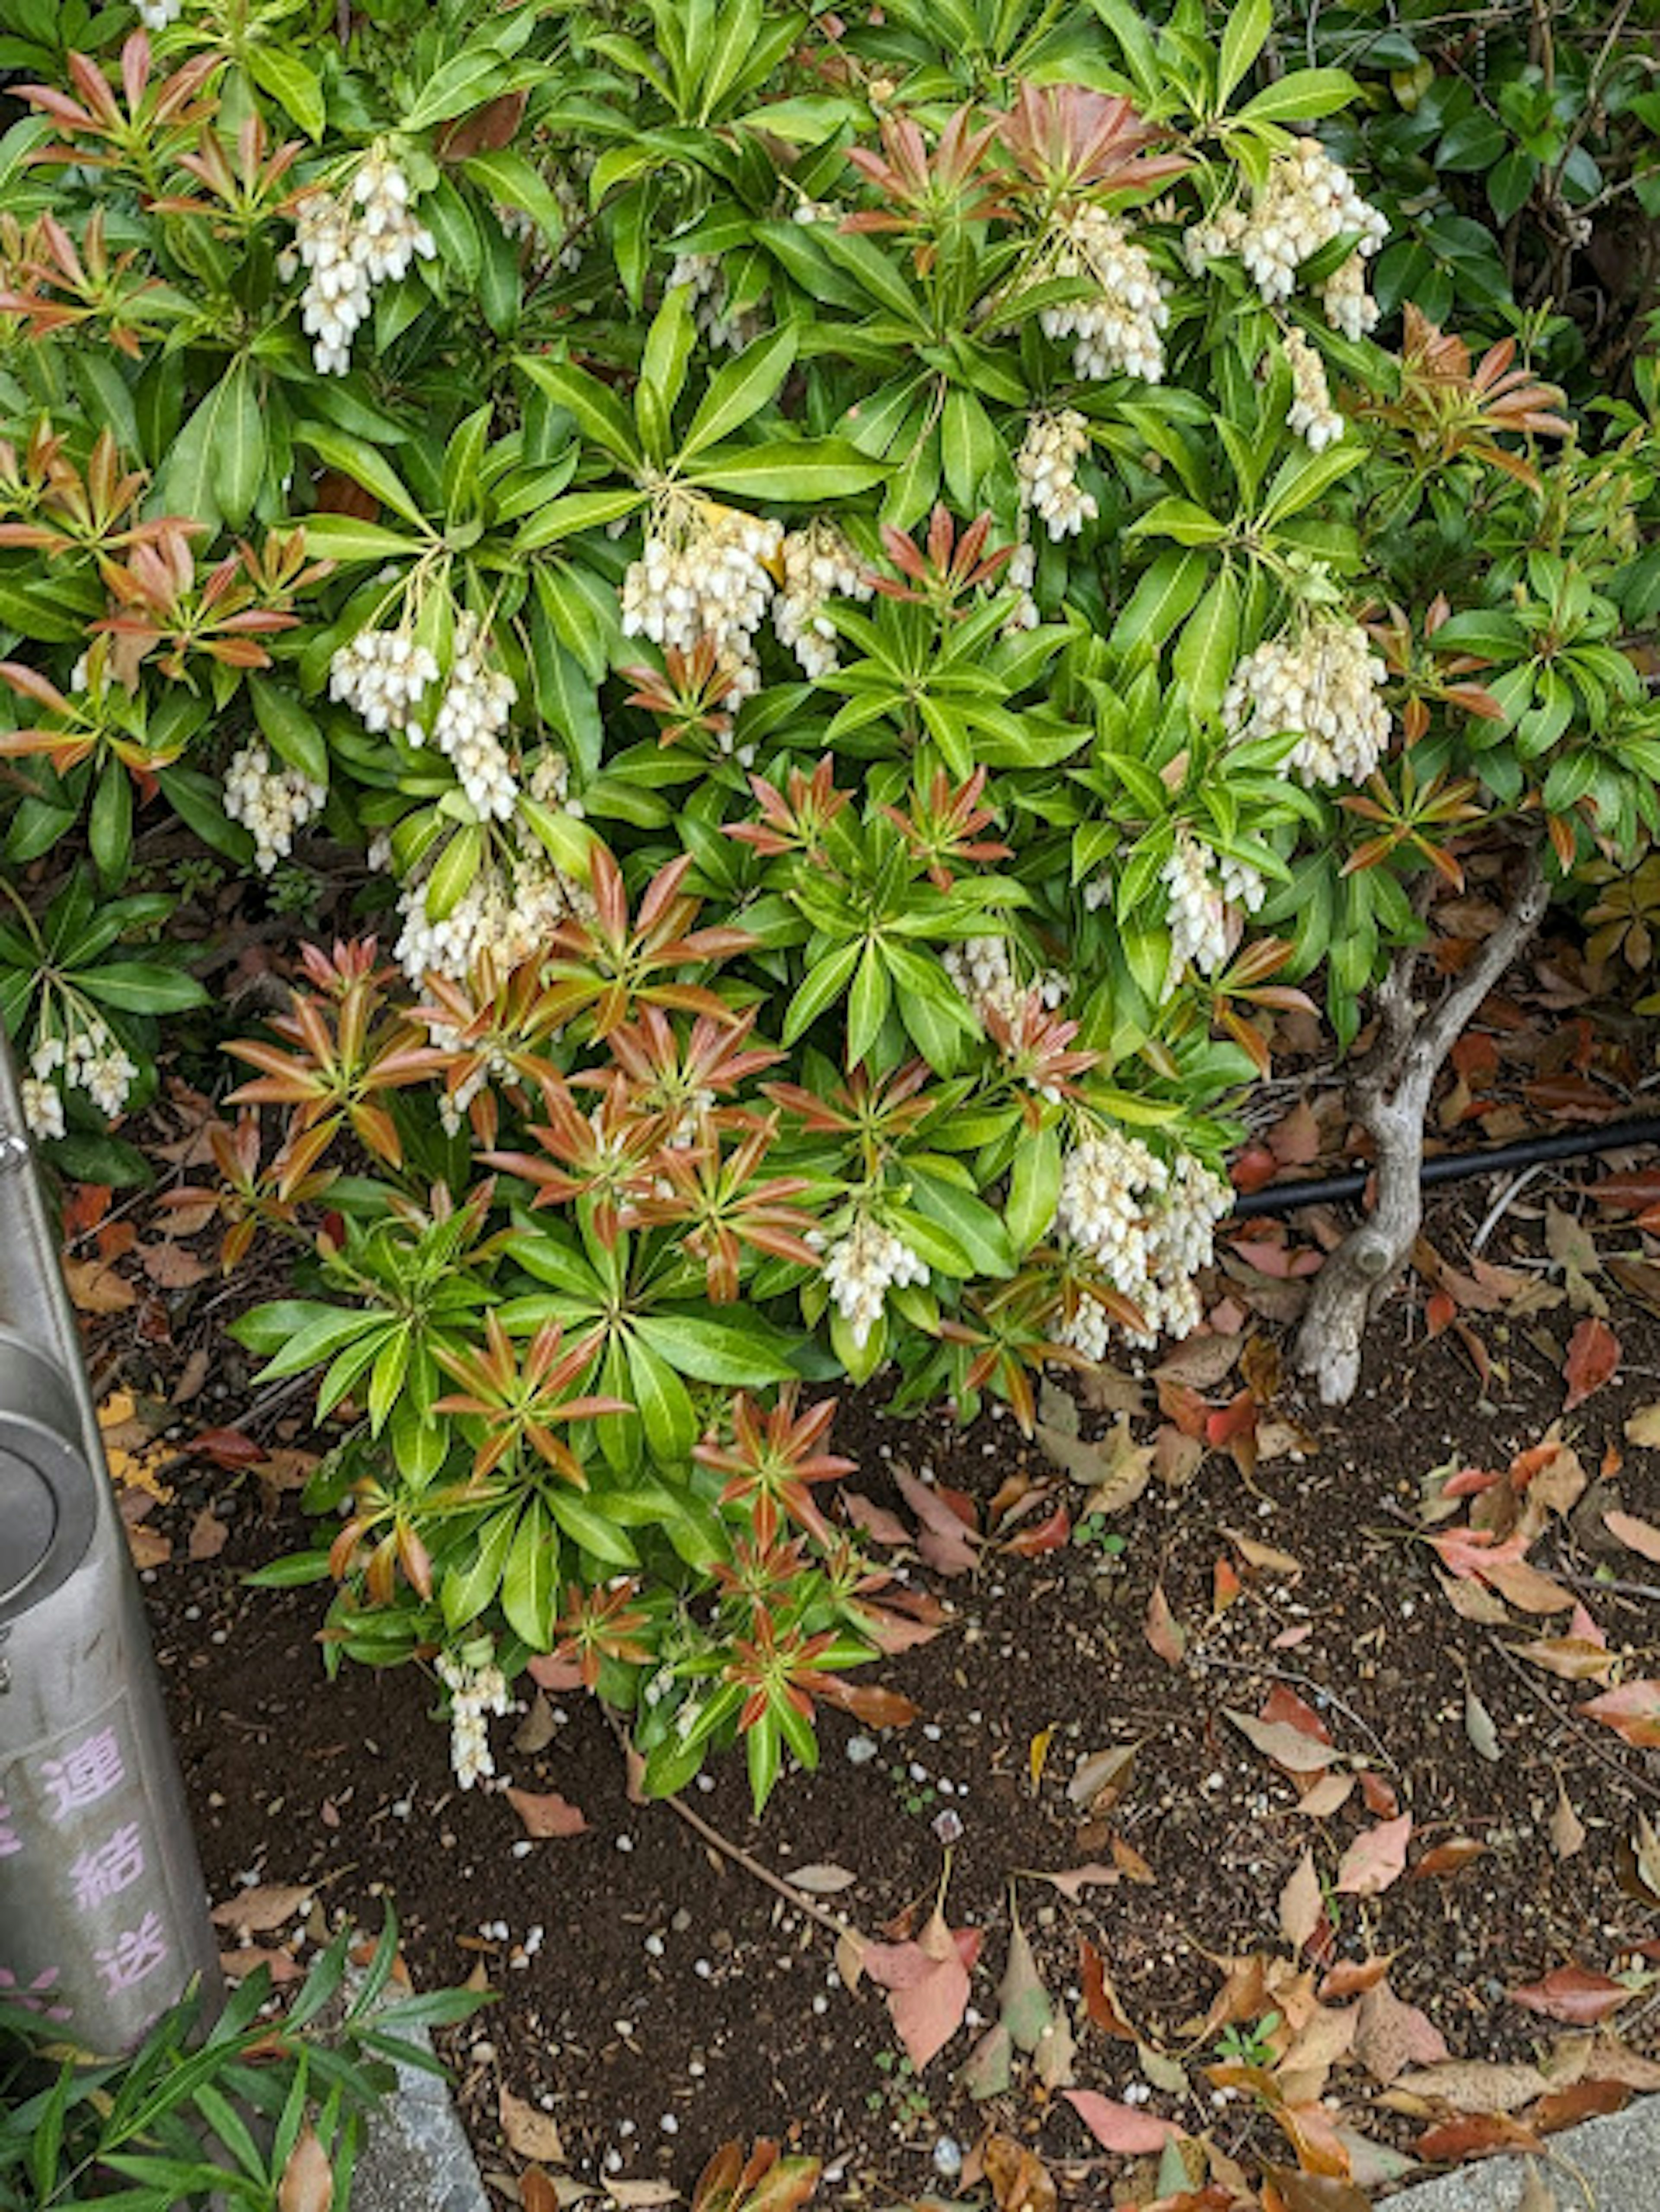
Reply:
x=289, y=730
x=587, y=1520
x=738, y=390
x=509, y=178
x=668, y=348
x=296, y=1333
x=663, y=1404
x=530, y=1580
x=466, y=81
x=577, y=511
x=189, y=484
x=364, y=464
x=343, y=538
x=1243, y=37
x=1304, y=478
x=824, y=984
x=241, y=435
x=601, y=415
x=970, y=1221
x=141, y=986
x=455, y=871
x=968, y=447
x=1166, y=594
x=867, y=1004
x=278, y=70
x=1034, y=1189
x=1179, y=519
x=735, y=1349
x=1208, y=646
x=109, y=826
x=799, y=472
x=1301, y=97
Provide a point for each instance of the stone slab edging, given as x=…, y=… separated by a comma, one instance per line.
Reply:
x=1610, y=2165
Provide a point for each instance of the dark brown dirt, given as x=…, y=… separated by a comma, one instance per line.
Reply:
x=675, y=2002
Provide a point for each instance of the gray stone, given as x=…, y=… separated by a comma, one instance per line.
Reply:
x=1610, y=2165
x=415, y=2158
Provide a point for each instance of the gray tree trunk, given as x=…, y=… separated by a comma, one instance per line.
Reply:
x=1392, y=1098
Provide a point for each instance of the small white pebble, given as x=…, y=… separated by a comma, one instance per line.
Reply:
x=669, y=2124
x=625, y=1843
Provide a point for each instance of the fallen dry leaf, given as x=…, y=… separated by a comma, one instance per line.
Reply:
x=547, y=1814
x=1162, y=1630
x=1127, y=2129
x=945, y=1541
x=1301, y=1906
x=877, y=1523
x=263, y=1909
x=531, y=2133
x=1643, y=1427
x=1101, y=1775
x=1475, y=2085
x=208, y=1534
x=95, y=1288
x=1479, y=1727
x=1391, y=2035
x=1073, y=1881
x=1100, y=1999
x=1448, y=1858
x=1286, y=1746
x=1593, y=1358
x=1639, y=1536
x=1020, y=2182
x=307, y=2181
x=1631, y=1712
x=928, y=1986
x=1375, y=1860
x=1568, y=1830
x=821, y=1880
x=1574, y=1994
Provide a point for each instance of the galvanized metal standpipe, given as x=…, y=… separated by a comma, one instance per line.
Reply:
x=103, y=1916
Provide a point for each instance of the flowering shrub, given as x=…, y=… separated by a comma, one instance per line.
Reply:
x=878, y=610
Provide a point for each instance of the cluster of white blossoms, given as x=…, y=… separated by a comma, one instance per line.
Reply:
x=475, y=1694
x=156, y=14
x=1309, y=199
x=508, y=910
x=1325, y=683
x=1018, y=577
x=703, y=277
x=1203, y=888
x=90, y=1059
x=1146, y=1224
x=981, y=968
x=1311, y=415
x=1047, y=466
x=381, y=675
x=705, y=571
x=861, y=1268
x=270, y=803
x=348, y=243
x=478, y=703
x=818, y=564
x=1120, y=332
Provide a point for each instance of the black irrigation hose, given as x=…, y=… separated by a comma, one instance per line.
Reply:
x=1452, y=1167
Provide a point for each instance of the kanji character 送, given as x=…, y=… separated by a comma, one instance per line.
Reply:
x=134, y=1953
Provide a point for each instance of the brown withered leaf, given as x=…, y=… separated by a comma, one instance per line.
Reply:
x=1391, y=2035
x=1375, y=1860
x=546, y=1813
x=1476, y=2085
x=1287, y=1746
x=208, y=1534
x=95, y=1288
x=262, y=1909
x=172, y=1267
x=531, y=2133
x=1201, y=1361
x=535, y=1731
x=1100, y=1777
x=1447, y=1858
x=1100, y=1998
x=1301, y=1906
x=1593, y=1359
x=1574, y=1994
x=1073, y=1881
x=1639, y=1536
x=1164, y=1633
x=1020, y=2182
x=307, y=2180
x=1568, y=1830
x=1265, y=1557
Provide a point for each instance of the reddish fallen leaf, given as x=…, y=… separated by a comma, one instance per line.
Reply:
x=1574, y=1994
x=281, y=1967
x=1284, y=2190
x=866, y=1701
x=1593, y=1358
x=1225, y=1585
x=1254, y=1168
x=877, y=1523
x=1100, y=1998
x=1580, y=2100
x=1639, y=1536
x=1283, y=1704
x=1379, y=1794
x=1162, y=1630
x=547, y=1814
x=1631, y=1712
x=172, y=1267
x=1448, y=1858
x=555, y=1673
x=226, y=1447
x=1474, y=2135
x=1376, y=1859
x=1048, y=1535
x=1127, y=2129
x=948, y=1545
x=1285, y=1746
x=927, y=1985
x=1391, y=2035
x=1131, y=1864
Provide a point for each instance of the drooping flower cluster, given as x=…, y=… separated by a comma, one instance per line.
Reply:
x=1119, y=331
x=270, y=803
x=156, y=14
x=348, y=243
x=477, y=704
x=860, y=1269
x=90, y=1059
x=705, y=571
x=1146, y=1224
x=1202, y=888
x=381, y=675
x=1047, y=466
x=703, y=277
x=981, y=968
x=818, y=564
x=1309, y=200
x=1019, y=577
x=475, y=1694
x=1311, y=415
x=508, y=910
x=1325, y=682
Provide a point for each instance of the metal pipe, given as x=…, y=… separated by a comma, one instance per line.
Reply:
x=1453, y=1167
x=103, y=1915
